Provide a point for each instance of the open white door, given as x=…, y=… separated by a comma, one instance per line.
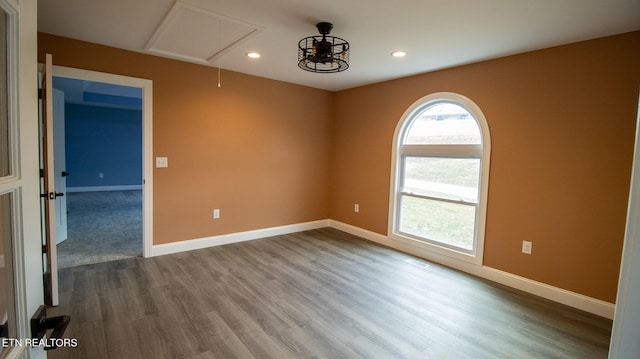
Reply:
x=19, y=178
x=59, y=165
x=50, y=195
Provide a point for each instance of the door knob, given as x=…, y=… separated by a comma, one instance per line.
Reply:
x=54, y=195
x=65, y=173
x=41, y=323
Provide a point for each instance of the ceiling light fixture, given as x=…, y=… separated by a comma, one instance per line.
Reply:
x=399, y=54
x=254, y=55
x=323, y=53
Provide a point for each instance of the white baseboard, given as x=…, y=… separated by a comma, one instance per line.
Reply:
x=103, y=188
x=188, y=245
x=572, y=299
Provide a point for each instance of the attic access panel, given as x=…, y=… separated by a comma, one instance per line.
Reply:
x=198, y=35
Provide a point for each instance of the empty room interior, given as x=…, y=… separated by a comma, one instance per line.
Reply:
x=438, y=180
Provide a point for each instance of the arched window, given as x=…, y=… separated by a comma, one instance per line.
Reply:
x=439, y=177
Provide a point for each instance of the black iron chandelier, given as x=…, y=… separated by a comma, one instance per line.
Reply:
x=323, y=53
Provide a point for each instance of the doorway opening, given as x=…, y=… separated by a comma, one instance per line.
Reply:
x=106, y=134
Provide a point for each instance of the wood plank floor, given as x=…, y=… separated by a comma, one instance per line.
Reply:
x=315, y=294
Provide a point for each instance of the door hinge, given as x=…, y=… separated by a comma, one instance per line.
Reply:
x=44, y=249
x=40, y=94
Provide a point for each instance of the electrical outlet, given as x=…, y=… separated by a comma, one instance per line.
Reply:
x=526, y=247
x=356, y=208
x=216, y=213
x=100, y=175
x=162, y=162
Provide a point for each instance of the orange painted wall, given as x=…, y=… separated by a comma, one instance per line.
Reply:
x=251, y=148
x=562, y=124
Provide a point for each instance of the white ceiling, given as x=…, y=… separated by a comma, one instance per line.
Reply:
x=436, y=33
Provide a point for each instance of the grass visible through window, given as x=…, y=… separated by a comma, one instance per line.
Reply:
x=439, y=221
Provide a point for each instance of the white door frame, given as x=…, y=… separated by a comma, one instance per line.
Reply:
x=24, y=183
x=626, y=322
x=147, y=137
x=59, y=164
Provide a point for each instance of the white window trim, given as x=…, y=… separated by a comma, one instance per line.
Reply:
x=484, y=151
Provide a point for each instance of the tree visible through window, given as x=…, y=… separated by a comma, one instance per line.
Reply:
x=439, y=195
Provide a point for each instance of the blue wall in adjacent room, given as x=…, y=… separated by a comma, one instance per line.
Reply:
x=103, y=140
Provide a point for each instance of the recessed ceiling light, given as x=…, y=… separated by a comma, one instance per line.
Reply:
x=399, y=54
x=254, y=55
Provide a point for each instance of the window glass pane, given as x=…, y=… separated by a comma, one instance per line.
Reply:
x=448, y=178
x=445, y=222
x=6, y=289
x=5, y=156
x=444, y=123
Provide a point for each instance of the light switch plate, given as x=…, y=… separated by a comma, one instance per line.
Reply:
x=526, y=247
x=162, y=162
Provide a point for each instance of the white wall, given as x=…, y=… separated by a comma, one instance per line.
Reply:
x=625, y=339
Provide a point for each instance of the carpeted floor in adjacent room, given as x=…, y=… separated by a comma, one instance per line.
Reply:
x=102, y=226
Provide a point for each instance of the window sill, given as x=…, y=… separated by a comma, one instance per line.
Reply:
x=439, y=253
